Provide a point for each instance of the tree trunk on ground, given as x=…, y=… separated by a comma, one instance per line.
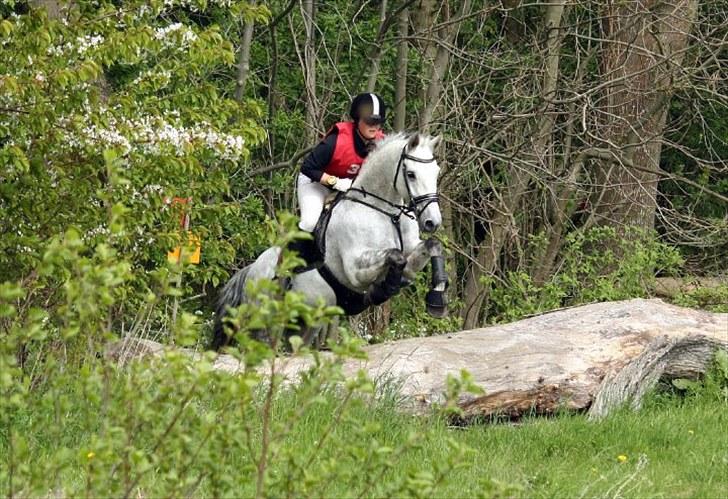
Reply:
x=592, y=358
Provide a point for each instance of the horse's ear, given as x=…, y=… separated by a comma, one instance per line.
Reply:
x=434, y=141
x=413, y=142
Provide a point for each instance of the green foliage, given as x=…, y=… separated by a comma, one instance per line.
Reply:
x=409, y=313
x=111, y=110
x=713, y=384
x=713, y=299
x=78, y=418
x=597, y=265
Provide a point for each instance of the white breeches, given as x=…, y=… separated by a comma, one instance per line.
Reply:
x=311, y=196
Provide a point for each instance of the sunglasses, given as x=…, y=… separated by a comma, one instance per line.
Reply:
x=372, y=120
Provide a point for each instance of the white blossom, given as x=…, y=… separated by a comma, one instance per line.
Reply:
x=169, y=38
x=156, y=136
x=84, y=43
x=101, y=230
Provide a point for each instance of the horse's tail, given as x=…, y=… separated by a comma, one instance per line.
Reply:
x=232, y=295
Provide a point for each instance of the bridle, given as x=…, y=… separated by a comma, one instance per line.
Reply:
x=414, y=201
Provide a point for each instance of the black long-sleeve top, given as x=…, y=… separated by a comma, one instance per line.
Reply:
x=318, y=159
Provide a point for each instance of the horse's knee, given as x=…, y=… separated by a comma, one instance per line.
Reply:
x=396, y=259
x=307, y=222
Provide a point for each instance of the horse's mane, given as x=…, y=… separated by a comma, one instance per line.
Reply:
x=386, y=146
x=397, y=137
x=382, y=160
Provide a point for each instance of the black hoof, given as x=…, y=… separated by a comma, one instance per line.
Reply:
x=436, y=303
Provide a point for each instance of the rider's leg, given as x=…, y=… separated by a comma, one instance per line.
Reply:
x=311, y=197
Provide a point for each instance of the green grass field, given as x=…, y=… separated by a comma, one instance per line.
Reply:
x=676, y=446
x=673, y=447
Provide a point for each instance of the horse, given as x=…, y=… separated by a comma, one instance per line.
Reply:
x=370, y=238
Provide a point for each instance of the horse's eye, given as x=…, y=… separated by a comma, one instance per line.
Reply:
x=411, y=175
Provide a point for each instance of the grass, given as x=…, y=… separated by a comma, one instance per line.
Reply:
x=676, y=446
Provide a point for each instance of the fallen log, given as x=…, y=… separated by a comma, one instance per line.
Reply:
x=671, y=287
x=589, y=358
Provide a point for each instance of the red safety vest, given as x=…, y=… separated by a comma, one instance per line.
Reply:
x=345, y=163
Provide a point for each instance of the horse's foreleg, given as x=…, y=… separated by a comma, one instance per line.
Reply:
x=371, y=265
x=382, y=291
x=436, y=299
x=419, y=256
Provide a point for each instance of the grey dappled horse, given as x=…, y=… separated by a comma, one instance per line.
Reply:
x=372, y=241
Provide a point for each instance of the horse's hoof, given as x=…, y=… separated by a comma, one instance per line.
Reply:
x=436, y=303
x=437, y=312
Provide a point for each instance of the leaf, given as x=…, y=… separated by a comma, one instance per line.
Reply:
x=6, y=27
x=721, y=361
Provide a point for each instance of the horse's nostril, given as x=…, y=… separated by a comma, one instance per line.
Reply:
x=429, y=225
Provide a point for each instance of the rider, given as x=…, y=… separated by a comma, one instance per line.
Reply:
x=335, y=161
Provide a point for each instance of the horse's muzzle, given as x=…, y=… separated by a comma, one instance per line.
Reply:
x=429, y=226
x=430, y=218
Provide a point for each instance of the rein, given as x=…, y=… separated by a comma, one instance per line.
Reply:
x=407, y=210
x=393, y=217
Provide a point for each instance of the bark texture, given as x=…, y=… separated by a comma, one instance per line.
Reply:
x=590, y=358
x=642, y=59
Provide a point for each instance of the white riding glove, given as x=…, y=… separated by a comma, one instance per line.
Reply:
x=343, y=184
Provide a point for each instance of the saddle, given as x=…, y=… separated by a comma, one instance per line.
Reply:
x=313, y=251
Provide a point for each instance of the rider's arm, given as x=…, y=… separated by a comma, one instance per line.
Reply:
x=318, y=159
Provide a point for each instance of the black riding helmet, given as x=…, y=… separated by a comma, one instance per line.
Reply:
x=369, y=108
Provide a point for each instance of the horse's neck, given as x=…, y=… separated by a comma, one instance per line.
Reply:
x=377, y=177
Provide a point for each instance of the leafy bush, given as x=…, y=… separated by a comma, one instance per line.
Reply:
x=112, y=110
x=75, y=421
x=597, y=265
x=409, y=313
x=713, y=299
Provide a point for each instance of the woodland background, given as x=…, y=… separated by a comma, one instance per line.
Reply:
x=585, y=142
x=584, y=156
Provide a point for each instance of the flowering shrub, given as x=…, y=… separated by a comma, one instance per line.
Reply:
x=106, y=109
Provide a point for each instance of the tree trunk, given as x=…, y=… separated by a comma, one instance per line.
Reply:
x=645, y=47
x=244, y=58
x=375, y=57
x=440, y=64
x=309, y=72
x=592, y=358
x=400, y=88
x=486, y=260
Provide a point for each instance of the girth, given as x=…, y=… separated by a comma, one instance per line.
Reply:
x=351, y=302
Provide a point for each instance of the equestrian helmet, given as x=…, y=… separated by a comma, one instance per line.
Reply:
x=368, y=107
